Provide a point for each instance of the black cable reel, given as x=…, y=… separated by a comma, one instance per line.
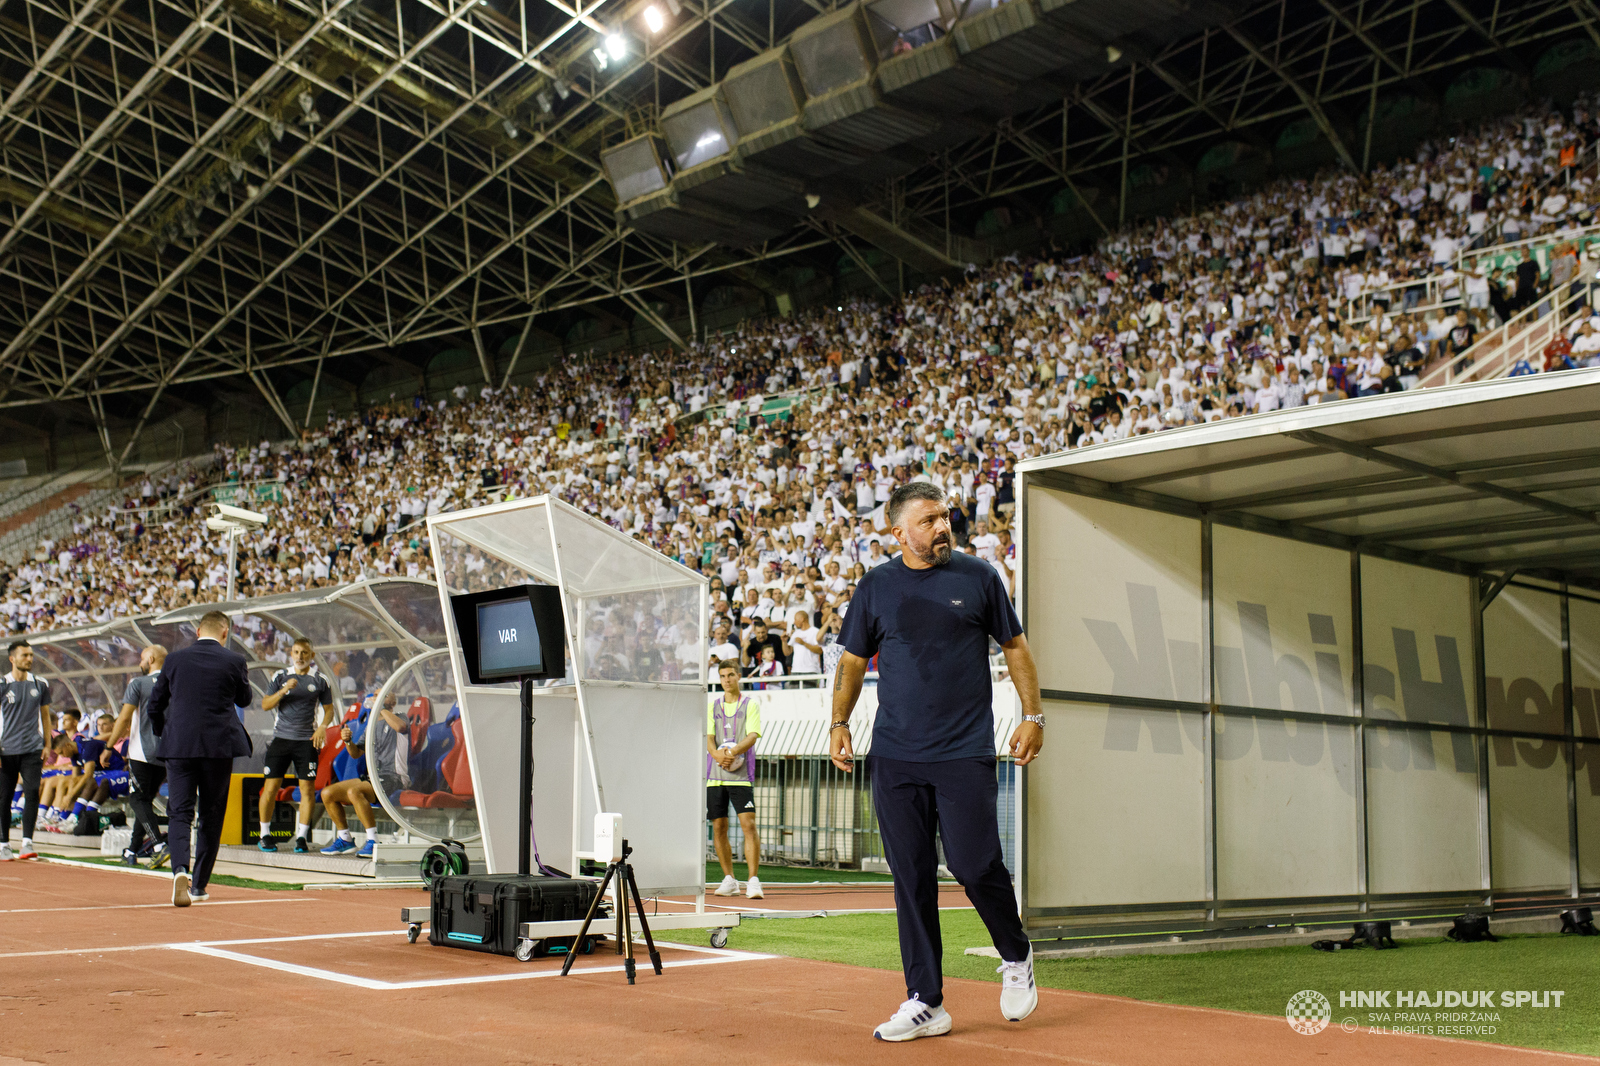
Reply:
x=448, y=858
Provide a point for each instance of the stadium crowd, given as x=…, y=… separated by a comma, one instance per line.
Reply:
x=763, y=455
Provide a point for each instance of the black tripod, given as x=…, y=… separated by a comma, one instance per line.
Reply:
x=628, y=889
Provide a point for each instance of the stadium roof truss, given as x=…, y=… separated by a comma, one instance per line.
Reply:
x=198, y=189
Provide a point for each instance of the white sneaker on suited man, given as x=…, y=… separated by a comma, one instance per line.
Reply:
x=752, y=888
x=914, y=1019
x=729, y=886
x=1018, y=994
x=180, y=887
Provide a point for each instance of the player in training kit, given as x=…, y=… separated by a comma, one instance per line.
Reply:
x=24, y=725
x=297, y=735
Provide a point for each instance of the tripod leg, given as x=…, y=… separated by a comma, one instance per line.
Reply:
x=627, y=924
x=644, y=926
x=594, y=905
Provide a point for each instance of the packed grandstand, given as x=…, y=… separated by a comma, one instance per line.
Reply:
x=763, y=455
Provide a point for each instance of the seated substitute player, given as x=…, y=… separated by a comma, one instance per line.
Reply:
x=359, y=792
x=56, y=776
x=297, y=734
x=76, y=786
x=733, y=725
x=104, y=777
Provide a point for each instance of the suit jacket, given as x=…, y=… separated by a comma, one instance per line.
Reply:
x=192, y=704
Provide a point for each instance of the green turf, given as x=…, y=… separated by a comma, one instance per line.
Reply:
x=1257, y=980
x=786, y=874
x=216, y=879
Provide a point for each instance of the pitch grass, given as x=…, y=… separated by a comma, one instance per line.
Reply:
x=773, y=875
x=1256, y=980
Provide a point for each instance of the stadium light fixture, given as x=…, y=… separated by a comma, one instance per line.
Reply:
x=616, y=46
x=599, y=56
x=653, y=19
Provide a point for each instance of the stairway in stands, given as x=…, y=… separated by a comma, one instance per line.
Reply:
x=1522, y=337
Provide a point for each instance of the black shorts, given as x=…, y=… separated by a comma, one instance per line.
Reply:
x=299, y=757
x=718, y=798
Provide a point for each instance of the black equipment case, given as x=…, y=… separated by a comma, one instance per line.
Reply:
x=485, y=912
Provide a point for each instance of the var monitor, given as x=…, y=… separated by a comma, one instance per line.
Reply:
x=511, y=633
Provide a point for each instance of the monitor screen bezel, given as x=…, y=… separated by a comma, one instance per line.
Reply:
x=548, y=617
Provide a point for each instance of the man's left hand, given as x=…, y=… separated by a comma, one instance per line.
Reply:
x=1026, y=742
x=318, y=735
x=105, y=758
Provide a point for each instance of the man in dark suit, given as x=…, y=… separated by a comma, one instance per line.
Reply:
x=192, y=710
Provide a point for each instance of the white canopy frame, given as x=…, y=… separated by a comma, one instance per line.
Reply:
x=612, y=735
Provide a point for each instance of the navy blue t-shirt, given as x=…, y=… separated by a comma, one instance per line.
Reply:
x=930, y=629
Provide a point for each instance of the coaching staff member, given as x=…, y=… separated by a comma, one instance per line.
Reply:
x=928, y=616
x=192, y=710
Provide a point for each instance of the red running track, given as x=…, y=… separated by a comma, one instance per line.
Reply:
x=95, y=965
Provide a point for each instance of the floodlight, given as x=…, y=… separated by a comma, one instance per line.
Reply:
x=616, y=46
x=653, y=19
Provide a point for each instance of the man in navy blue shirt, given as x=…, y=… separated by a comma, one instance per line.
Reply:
x=928, y=615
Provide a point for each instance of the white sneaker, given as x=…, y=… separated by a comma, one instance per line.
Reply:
x=199, y=897
x=1018, y=995
x=5, y=853
x=729, y=886
x=180, y=889
x=914, y=1019
x=65, y=825
x=752, y=888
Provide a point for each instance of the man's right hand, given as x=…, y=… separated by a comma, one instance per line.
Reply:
x=291, y=683
x=840, y=749
x=345, y=734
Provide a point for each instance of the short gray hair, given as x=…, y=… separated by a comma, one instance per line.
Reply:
x=911, y=490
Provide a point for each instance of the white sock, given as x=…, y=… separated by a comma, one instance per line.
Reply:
x=27, y=843
x=266, y=829
x=302, y=831
x=372, y=834
x=345, y=834
x=91, y=805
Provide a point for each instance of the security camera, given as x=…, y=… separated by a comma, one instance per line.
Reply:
x=235, y=518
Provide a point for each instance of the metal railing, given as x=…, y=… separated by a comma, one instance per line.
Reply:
x=1493, y=257
x=1523, y=336
x=811, y=813
x=1439, y=291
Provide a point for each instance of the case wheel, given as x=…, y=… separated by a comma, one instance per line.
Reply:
x=413, y=930
x=719, y=938
x=588, y=945
x=525, y=949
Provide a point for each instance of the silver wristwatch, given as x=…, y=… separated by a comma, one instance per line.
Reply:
x=1036, y=719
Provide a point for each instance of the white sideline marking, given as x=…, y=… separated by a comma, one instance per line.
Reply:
x=374, y=985
x=207, y=943
x=150, y=906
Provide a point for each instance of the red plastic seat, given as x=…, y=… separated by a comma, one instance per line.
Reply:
x=419, y=716
x=457, y=774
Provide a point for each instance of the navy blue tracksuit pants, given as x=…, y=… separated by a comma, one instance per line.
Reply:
x=958, y=797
